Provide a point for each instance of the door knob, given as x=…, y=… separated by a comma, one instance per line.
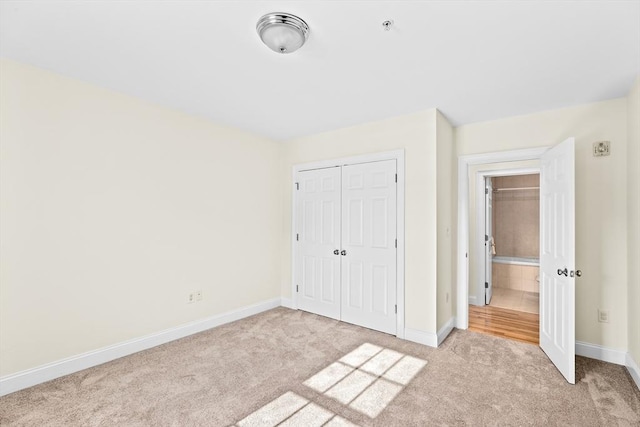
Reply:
x=336, y=252
x=343, y=253
x=565, y=272
x=578, y=273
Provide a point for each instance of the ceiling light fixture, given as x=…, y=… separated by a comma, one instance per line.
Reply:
x=282, y=32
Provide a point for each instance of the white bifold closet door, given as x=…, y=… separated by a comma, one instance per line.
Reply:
x=346, y=251
x=318, y=223
x=369, y=240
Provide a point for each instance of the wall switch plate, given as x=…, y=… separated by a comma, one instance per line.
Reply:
x=603, y=316
x=601, y=148
x=199, y=295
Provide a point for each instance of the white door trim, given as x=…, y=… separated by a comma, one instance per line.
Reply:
x=479, y=250
x=397, y=155
x=464, y=162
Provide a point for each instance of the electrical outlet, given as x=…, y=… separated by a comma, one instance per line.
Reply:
x=601, y=148
x=199, y=295
x=603, y=316
x=191, y=298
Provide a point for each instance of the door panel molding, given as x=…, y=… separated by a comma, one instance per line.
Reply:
x=397, y=155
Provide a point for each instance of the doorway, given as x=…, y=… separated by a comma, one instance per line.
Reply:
x=557, y=246
x=509, y=306
x=348, y=246
x=468, y=194
x=512, y=247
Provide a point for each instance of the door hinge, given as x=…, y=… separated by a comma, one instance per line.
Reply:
x=486, y=285
x=396, y=177
x=396, y=243
x=297, y=237
x=486, y=190
x=486, y=238
x=396, y=308
x=297, y=290
x=297, y=185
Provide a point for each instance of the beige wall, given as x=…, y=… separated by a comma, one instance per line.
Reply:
x=633, y=195
x=446, y=196
x=114, y=209
x=601, y=201
x=516, y=216
x=416, y=134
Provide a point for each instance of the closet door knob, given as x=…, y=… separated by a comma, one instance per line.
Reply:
x=336, y=252
x=579, y=273
x=343, y=253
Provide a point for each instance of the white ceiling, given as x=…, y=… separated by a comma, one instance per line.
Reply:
x=473, y=61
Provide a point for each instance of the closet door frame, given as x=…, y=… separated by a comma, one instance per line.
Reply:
x=398, y=156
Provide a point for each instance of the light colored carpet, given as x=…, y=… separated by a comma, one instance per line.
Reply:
x=302, y=369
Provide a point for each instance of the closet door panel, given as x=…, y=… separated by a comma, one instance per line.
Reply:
x=369, y=230
x=318, y=223
x=355, y=297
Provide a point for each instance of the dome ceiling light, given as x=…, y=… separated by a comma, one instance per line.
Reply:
x=282, y=32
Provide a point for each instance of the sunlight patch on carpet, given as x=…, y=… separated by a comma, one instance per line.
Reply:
x=291, y=410
x=276, y=411
x=328, y=377
x=367, y=379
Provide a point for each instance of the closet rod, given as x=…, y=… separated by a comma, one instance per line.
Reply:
x=516, y=188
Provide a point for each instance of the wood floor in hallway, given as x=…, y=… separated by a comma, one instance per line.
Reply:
x=511, y=324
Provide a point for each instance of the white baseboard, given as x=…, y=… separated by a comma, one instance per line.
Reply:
x=288, y=303
x=633, y=369
x=50, y=371
x=472, y=300
x=595, y=351
x=421, y=337
x=444, y=332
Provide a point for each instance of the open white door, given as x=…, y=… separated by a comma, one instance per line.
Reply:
x=488, y=241
x=557, y=257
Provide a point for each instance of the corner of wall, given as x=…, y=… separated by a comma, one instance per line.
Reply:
x=446, y=201
x=633, y=228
